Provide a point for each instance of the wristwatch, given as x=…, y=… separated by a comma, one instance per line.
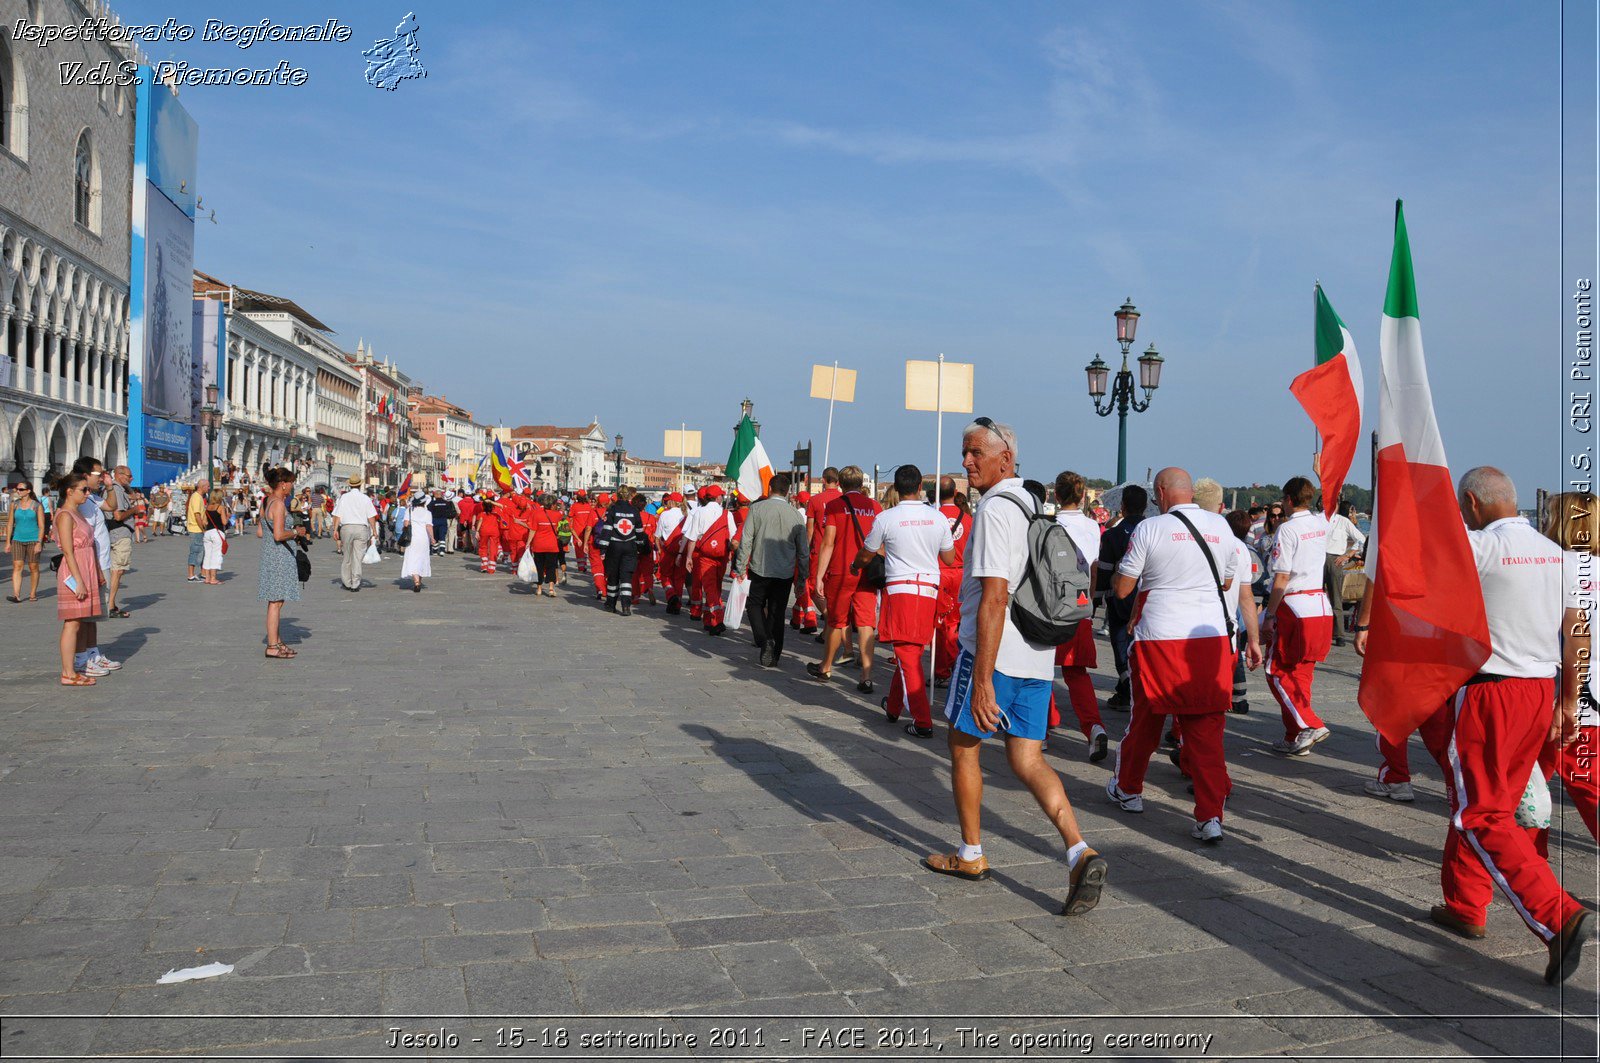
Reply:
x=1359, y=627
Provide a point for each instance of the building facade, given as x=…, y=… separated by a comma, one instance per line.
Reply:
x=388, y=434
x=66, y=181
x=453, y=441
x=578, y=454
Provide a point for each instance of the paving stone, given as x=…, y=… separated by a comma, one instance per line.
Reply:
x=478, y=948
x=301, y=896
x=518, y=990
x=748, y=928
x=369, y=891
x=363, y=955
x=490, y=917
x=651, y=983
x=572, y=942
x=771, y=969
x=599, y=911
x=426, y=991
x=409, y=921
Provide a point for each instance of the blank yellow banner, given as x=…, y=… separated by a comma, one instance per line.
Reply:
x=830, y=383
x=681, y=444
x=923, y=386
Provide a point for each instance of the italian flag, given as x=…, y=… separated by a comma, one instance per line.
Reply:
x=1429, y=633
x=748, y=466
x=1331, y=394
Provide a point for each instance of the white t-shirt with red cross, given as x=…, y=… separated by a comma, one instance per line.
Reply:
x=1177, y=594
x=1300, y=549
x=1524, y=593
x=911, y=535
x=1085, y=535
x=700, y=520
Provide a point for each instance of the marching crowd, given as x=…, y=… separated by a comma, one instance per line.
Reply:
x=1002, y=585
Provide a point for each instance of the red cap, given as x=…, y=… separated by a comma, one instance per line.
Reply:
x=802, y=497
x=714, y=491
x=674, y=497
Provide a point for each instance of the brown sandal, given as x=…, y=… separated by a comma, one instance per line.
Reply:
x=952, y=864
x=77, y=680
x=283, y=653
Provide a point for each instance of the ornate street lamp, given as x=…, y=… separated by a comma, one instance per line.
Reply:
x=329, y=457
x=1121, y=398
x=620, y=455
x=210, y=421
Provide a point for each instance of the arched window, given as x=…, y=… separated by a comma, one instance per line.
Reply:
x=83, y=182
x=13, y=100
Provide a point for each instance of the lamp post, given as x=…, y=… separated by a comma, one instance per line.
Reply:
x=210, y=420
x=620, y=455
x=329, y=457
x=1121, y=398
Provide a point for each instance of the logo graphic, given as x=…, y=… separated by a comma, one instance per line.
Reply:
x=625, y=527
x=393, y=61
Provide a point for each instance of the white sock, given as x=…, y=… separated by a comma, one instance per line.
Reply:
x=969, y=852
x=1075, y=854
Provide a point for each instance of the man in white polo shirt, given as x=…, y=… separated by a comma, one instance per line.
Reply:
x=355, y=522
x=1181, y=662
x=1488, y=738
x=1298, y=622
x=913, y=538
x=1001, y=681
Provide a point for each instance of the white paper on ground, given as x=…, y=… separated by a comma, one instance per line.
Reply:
x=210, y=970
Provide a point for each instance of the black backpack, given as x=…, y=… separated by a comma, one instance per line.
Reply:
x=1053, y=596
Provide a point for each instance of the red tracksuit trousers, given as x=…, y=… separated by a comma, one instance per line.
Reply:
x=1291, y=665
x=597, y=567
x=708, y=584
x=488, y=552
x=1080, y=691
x=1487, y=741
x=1576, y=765
x=1202, y=757
x=804, y=613
x=908, y=690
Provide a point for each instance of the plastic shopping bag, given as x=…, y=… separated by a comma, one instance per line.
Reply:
x=526, y=573
x=733, y=609
x=371, y=556
x=1533, y=811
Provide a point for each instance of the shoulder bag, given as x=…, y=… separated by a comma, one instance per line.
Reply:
x=875, y=574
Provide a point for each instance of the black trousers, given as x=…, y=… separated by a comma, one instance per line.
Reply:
x=621, y=561
x=769, y=599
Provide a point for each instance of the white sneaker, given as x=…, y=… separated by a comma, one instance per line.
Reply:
x=1127, y=802
x=1318, y=734
x=107, y=663
x=1210, y=831
x=93, y=668
x=1394, y=791
x=1300, y=745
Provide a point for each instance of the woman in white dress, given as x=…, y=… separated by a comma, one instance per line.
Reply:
x=416, y=563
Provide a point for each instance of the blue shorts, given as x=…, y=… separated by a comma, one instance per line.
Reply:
x=197, y=548
x=1024, y=703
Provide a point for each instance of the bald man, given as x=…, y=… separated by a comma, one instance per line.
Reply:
x=1488, y=737
x=1181, y=663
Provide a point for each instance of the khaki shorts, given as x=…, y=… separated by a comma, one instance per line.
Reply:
x=121, y=555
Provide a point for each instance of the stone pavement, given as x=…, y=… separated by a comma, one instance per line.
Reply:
x=470, y=802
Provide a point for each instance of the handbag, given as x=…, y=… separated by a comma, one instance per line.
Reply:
x=875, y=575
x=302, y=563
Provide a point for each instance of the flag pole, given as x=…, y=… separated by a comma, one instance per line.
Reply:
x=938, y=448
x=683, y=452
x=833, y=389
x=1316, y=437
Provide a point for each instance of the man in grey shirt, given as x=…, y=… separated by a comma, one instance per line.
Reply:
x=774, y=551
x=117, y=510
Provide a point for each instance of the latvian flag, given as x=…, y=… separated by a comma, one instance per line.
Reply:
x=1429, y=633
x=1331, y=396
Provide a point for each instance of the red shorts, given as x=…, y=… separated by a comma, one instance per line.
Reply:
x=1078, y=651
x=848, y=604
x=1180, y=676
x=908, y=611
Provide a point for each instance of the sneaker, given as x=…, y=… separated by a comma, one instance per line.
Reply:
x=107, y=663
x=1299, y=746
x=1127, y=802
x=918, y=732
x=1319, y=733
x=1209, y=832
x=93, y=670
x=1452, y=922
x=1118, y=701
x=1097, y=745
x=1566, y=948
x=1240, y=707
x=1085, y=884
x=1394, y=791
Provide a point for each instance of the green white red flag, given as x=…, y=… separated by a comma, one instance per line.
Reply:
x=748, y=465
x=1331, y=394
x=1429, y=633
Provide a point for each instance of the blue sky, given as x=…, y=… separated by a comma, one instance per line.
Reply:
x=647, y=211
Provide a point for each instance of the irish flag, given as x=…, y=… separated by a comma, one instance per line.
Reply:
x=748, y=466
x=1428, y=634
x=1331, y=394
